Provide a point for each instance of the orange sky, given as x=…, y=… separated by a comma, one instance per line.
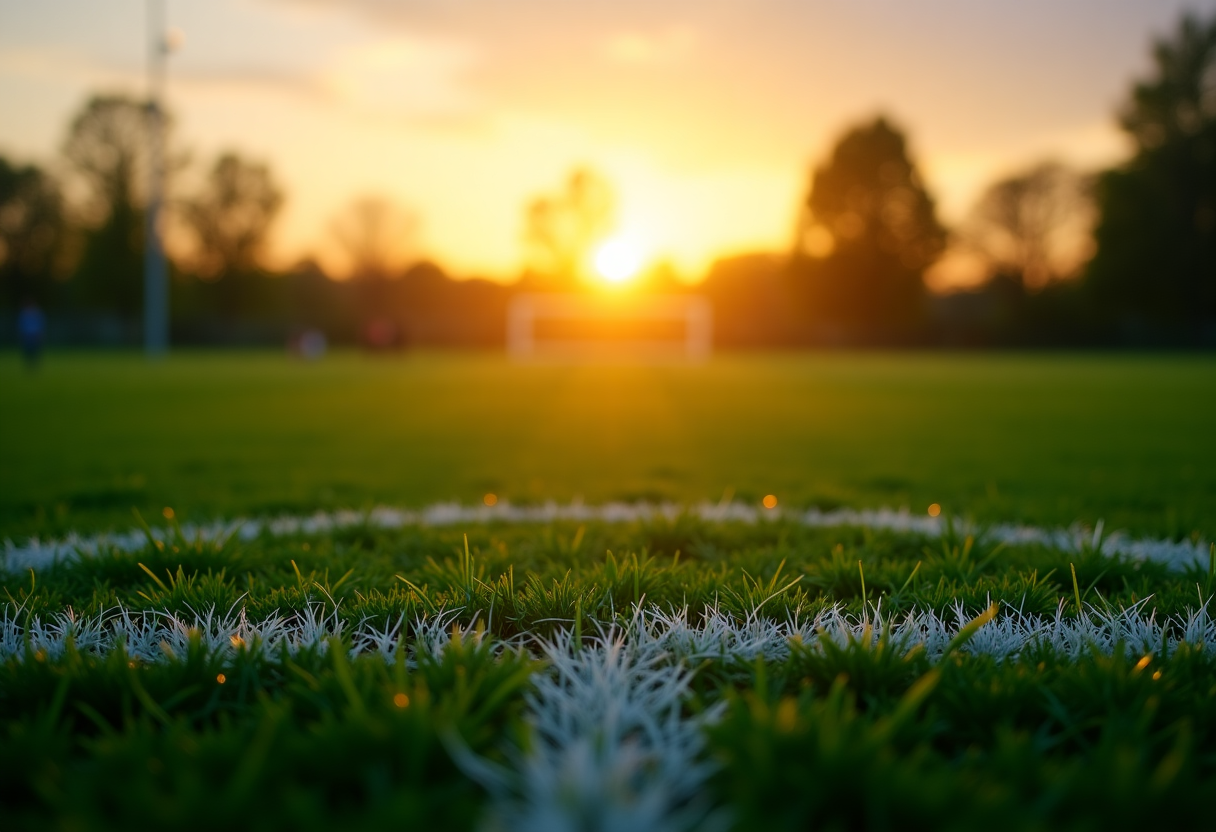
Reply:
x=705, y=114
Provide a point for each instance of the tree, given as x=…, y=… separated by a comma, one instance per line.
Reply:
x=106, y=147
x=31, y=231
x=1033, y=227
x=377, y=236
x=1154, y=268
x=562, y=229
x=868, y=232
x=231, y=216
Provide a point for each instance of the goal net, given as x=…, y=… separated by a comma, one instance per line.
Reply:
x=588, y=327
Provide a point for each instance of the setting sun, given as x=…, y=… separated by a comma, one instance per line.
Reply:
x=618, y=260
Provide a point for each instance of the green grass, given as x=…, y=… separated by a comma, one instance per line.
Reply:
x=311, y=742
x=858, y=735
x=853, y=734
x=535, y=578
x=1041, y=438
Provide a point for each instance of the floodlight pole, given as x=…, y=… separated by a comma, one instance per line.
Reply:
x=156, y=284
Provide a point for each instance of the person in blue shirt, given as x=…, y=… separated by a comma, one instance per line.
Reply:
x=31, y=330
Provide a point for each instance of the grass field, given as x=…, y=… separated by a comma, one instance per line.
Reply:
x=667, y=673
x=1043, y=439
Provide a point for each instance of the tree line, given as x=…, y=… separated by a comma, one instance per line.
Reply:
x=1122, y=256
x=1125, y=256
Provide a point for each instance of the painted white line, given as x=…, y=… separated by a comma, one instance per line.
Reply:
x=609, y=742
x=162, y=635
x=36, y=553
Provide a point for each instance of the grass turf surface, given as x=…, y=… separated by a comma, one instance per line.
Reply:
x=853, y=731
x=1043, y=439
x=861, y=732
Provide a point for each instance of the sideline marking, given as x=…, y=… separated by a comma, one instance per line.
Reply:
x=1177, y=554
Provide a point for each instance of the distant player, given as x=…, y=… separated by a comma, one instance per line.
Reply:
x=31, y=330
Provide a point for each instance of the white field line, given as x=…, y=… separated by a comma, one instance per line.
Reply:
x=159, y=635
x=35, y=553
x=611, y=748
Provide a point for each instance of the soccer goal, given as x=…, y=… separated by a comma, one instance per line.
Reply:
x=590, y=328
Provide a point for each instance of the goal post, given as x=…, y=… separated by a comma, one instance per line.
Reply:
x=567, y=327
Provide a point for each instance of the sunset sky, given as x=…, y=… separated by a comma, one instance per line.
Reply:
x=704, y=114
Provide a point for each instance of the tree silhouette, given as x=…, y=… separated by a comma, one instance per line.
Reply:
x=31, y=231
x=562, y=229
x=231, y=216
x=1154, y=267
x=106, y=147
x=1033, y=227
x=867, y=235
x=376, y=235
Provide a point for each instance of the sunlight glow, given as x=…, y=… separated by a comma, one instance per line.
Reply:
x=618, y=259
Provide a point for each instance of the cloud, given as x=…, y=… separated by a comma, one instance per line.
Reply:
x=402, y=75
x=397, y=76
x=65, y=66
x=661, y=48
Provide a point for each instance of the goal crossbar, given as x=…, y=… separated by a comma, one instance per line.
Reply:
x=587, y=327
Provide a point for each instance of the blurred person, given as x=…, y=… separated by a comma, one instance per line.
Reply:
x=381, y=334
x=310, y=345
x=313, y=344
x=31, y=330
